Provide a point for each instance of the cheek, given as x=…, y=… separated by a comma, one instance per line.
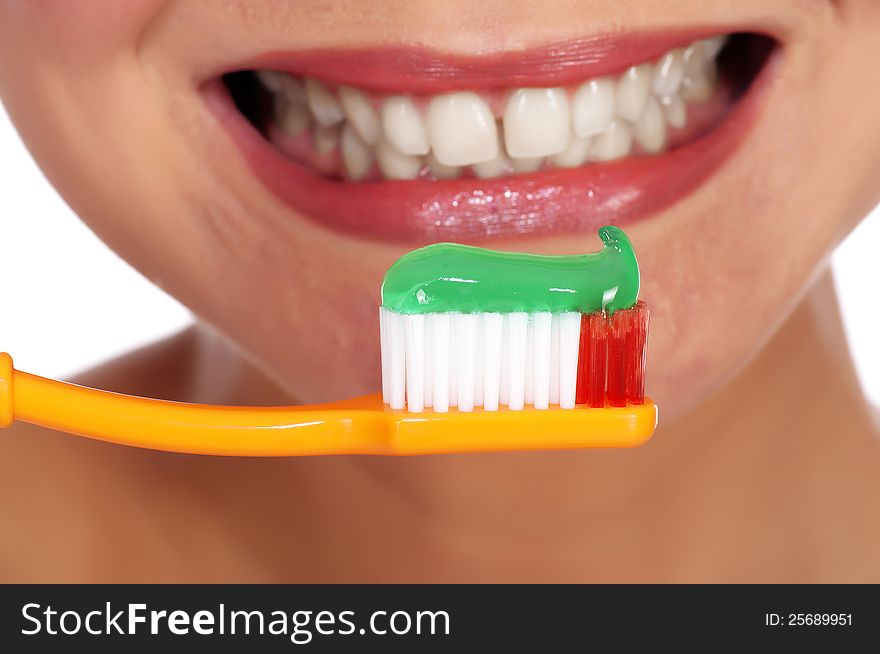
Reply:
x=88, y=26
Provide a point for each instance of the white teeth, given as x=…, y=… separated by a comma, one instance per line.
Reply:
x=271, y=79
x=293, y=89
x=668, y=74
x=536, y=122
x=633, y=90
x=614, y=143
x=394, y=164
x=357, y=157
x=461, y=129
x=694, y=59
x=360, y=114
x=441, y=170
x=324, y=105
x=292, y=119
x=460, y=133
x=675, y=110
x=699, y=87
x=403, y=126
x=575, y=154
x=526, y=164
x=326, y=138
x=592, y=108
x=495, y=167
x=713, y=45
x=650, y=131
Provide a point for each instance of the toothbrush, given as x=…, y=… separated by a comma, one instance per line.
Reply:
x=481, y=351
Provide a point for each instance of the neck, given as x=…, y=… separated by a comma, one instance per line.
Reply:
x=713, y=482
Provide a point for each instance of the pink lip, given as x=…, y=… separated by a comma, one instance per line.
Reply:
x=561, y=201
x=416, y=69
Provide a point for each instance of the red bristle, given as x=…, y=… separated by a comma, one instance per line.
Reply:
x=631, y=340
x=618, y=334
x=611, y=357
x=596, y=360
x=636, y=353
x=581, y=394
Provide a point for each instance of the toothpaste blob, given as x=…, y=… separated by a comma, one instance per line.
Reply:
x=448, y=277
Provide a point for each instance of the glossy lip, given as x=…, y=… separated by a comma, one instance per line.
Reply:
x=416, y=69
x=468, y=210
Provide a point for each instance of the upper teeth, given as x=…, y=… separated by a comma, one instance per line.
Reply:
x=403, y=125
x=537, y=122
x=462, y=129
x=597, y=120
x=593, y=107
x=360, y=113
x=323, y=103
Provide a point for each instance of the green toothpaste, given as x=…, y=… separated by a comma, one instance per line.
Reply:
x=452, y=277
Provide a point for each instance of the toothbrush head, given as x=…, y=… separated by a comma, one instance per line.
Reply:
x=463, y=327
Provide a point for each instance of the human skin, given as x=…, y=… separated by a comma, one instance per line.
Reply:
x=765, y=448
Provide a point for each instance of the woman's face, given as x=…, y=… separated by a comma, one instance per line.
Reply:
x=273, y=208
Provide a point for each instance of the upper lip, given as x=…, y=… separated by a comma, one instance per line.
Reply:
x=416, y=69
x=468, y=209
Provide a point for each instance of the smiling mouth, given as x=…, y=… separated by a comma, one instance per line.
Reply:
x=404, y=145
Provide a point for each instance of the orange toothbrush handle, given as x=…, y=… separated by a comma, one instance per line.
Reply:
x=359, y=426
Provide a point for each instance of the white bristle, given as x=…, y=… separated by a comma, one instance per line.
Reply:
x=414, y=328
x=569, y=337
x=518, y=327
x=541, y=359
x=554, y=359
x=383, y=353
x=493, y=328
x=440, y=335
x=504, y=383
x=530, y=361
x=479, y=353
x=453, y=360
x=472, y=360
x=465, y=335
x=396, y=360
x=429, y=361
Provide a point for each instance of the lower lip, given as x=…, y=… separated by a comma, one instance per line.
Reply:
x=550, y=202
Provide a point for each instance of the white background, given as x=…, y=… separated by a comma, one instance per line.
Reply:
x=67, y=302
